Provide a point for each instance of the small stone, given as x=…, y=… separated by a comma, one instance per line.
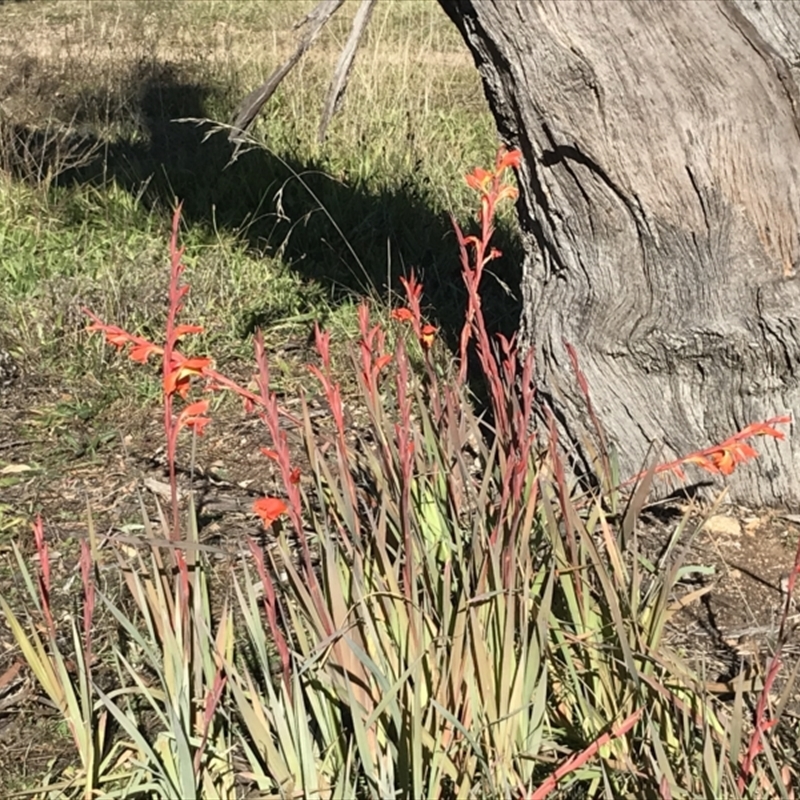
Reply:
x=722, y=525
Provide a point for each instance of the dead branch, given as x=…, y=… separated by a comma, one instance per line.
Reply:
x=341, y=74
x=254, y=102
x=316, y=20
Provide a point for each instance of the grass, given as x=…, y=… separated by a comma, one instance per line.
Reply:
x=286, y=233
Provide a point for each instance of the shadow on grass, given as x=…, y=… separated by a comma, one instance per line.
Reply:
x=349, y=237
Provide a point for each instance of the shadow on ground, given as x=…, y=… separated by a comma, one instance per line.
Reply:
x=349, y=237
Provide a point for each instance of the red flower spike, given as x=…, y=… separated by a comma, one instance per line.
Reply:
x=269, y=509
x=271, y=454
x=726, y=456
x=294, y=476
x=413, y=288
x=322, y=340
x=44, y=573
x=88, y=598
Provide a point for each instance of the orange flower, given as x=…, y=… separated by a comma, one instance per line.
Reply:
x=723, y=459
x=141, y=351
x=269, y=509
x=181, y=330
x=381, y=362
x=192, y=417
x=763, y=428
x=113, y=334
x=177, y=380
x=726, y=456
x=508, y=158
x=402, y=315
x=427, y=336
x=480, y=180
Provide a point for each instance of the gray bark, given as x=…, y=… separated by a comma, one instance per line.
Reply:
x=659, y=203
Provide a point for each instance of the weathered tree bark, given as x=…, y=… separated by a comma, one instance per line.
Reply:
x=660, y=204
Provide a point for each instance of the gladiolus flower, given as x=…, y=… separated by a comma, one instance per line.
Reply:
x=509, y=158
x=725, y=458
x=113, y=335
x=181, y=330
x=381, y=362
x=141, y=351
x=480, y=180
x=764, y=428
x=402, y=315
x=427, y=335
x=177, y=380
x=192, y=417
x=269, y=509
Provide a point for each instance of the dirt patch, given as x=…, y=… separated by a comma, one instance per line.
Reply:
x=730, y=626
x=754, y=555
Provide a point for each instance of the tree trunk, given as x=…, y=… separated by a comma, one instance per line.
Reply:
x=659, y=205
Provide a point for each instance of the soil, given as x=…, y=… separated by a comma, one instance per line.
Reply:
x=734, y=609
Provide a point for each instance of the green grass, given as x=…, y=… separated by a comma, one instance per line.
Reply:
x=288, y=233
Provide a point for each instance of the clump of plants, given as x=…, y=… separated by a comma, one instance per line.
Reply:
x=444, y=613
